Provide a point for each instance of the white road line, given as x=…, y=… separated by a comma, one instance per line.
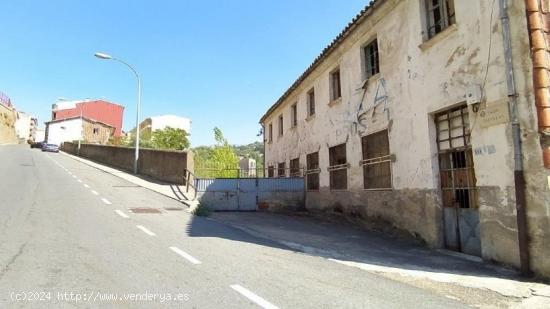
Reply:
x=79, y=180
x=185, y=255
x=95, y=192
x=120, y=213
x=106, y=201
x=253, y=297
x=86, y=186
x=74, y=176
x=145, y=230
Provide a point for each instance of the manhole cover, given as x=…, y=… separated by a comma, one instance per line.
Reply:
x=145, y=210
x=173, y=208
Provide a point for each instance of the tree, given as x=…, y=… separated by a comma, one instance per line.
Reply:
x=218, y=161
x=170, y=138
x=167, y=138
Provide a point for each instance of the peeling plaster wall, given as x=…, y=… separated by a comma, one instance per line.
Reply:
x=419, y=78
x=537, y=178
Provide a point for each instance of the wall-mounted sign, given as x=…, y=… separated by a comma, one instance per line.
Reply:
x=493, y=114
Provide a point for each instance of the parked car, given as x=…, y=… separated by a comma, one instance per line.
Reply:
x=38, y=145
x=50, y=148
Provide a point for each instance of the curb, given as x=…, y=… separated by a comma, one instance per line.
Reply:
x=98, y=167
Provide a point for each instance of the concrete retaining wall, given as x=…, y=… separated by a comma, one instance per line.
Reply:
x=164, y=165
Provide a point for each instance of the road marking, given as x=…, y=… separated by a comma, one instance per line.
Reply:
x=145, y=230
x=74, y=176
x=86, y=186
x=79, y=180
x=120, y=213
x=185, y=255
x=106, y=201
x=253, y=297
x=95, y=192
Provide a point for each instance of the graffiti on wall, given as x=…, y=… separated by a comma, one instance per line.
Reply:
x=367, y=111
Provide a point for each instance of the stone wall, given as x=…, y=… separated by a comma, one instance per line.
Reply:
x=96, y=132
x=163, y=165
x=7, y=125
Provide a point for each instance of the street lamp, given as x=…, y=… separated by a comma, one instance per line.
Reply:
x=109, y=57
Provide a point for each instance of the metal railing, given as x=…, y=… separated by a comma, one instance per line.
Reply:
x=268, y=172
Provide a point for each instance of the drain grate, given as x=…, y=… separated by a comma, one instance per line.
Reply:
x=145, y=210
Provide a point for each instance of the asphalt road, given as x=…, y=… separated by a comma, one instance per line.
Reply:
x=68, y=239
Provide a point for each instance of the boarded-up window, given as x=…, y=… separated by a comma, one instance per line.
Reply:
x=372, y=66
x=281, y=129
x=376, y=161
x=311, y=102
x=338, y=167
x=312, y=171
x=294, y=115
x=270, y=171
x=281, y=170
x=335, y=85
x=440, y=15
x=295, y=167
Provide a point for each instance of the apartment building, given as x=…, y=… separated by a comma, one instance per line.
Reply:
x=429, y=115
x=25, y=126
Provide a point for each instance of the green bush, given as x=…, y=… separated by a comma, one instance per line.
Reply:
x=202, y=210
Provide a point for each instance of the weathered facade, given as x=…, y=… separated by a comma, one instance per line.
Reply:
x=408, y=116
x=77, y=128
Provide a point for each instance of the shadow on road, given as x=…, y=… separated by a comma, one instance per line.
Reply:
x=371, y=250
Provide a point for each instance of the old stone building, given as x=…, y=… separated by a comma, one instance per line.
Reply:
x=78, y=128
x=424, y=114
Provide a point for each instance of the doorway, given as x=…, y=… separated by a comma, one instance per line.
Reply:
x=458, y=181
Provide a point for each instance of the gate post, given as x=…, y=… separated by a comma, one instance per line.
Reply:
x=238, y=194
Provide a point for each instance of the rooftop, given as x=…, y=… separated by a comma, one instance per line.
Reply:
x=352, y=25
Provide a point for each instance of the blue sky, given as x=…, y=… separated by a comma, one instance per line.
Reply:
x=220, y=63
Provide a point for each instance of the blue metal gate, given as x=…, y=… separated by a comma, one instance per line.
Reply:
x=246, y=194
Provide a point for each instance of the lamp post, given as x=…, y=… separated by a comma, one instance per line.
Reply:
x=81, y=132
x=108, y=57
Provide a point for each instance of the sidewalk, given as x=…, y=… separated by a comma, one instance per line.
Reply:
x=444, y=272
x=448, y=273
x=170, y=190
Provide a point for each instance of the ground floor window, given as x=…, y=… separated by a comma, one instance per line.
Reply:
x=270, y=171
x=281, y=172
x=295, y=168
x=338, y=168
x=376, y=161
x=312, y=171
